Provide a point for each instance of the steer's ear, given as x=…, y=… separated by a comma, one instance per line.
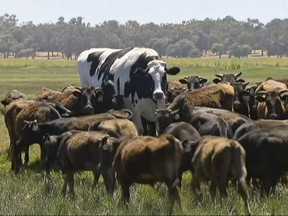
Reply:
x=260, y=96
x=173, y=70
x=216, y=80
x=284, y=95
x=183, y=80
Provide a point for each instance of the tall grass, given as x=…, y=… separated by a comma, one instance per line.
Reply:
x=26, y=193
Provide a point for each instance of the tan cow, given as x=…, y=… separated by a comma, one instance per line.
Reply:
x=218, y=160
x=147, y=160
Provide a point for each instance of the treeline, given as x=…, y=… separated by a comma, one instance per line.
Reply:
x=191, y=38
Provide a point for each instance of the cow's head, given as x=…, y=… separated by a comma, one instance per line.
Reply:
x=13, y=95
x=164, y=117
x=193, y=82
x=29, y=134
x=152, y=81
x=241, y=102
x=228, y=78
x=274, y=102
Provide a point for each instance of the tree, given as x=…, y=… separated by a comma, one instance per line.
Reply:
x=218, y=48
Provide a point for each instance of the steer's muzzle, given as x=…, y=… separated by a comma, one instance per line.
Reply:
x=88, y=110
x=273, y=116
x=158, y=95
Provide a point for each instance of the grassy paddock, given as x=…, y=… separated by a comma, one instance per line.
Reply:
x=26, y=193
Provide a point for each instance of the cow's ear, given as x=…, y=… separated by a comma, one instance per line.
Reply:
x=5, y=102
x=216, y=80
x=260, y=96
x=203, y=80
x=173, y=70
x=284, y=95
x=241, y=80
x=183, y=81
x=76, y=93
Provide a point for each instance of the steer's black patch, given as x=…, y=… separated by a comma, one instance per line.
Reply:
x=109, y=61
x=94, y=58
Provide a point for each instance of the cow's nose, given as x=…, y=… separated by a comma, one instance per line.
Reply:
x=273, y=116
x=88, y=110
x=158, y=95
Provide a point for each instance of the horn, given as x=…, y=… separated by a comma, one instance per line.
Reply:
x=238, y=74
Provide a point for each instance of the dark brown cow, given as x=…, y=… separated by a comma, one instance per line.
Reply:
x=79, y=101
x=147, y=160
x=33, y=132
x=218, y=160
x=16, y=113
x=193, y=82
x=266, y=155
x=83, y=152
x=257, y=124
x=228, y=78
x=187, y=134
x=272, y=104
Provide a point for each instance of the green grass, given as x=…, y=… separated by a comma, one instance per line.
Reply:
x=26, y=194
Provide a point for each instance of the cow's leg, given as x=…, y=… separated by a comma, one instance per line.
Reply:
x=173, y=194
x=70, y=181
x=125, y=185
x=26, y=159
x=244, y=193
x=109, y=179
x=212, y=188
x=195, y=186
x=96, y=174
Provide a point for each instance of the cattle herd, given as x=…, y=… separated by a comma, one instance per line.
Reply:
x=129, y=124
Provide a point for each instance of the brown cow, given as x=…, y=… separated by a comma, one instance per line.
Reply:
x=218, y=96
x=16, y=113
x=218, y=160
x=83, y=151
x=174, y=89
x=147, y=160
x=79, y=101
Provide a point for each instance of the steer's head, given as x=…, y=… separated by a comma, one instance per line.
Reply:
x=153, y=81
x=274, y=102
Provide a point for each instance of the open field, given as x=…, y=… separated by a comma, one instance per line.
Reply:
x=25, y=193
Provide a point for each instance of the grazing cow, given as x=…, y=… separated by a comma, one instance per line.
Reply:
x=193, y=82
x=16, y=113
x=79, y=101
x=218, y=160
x=266, y=155
x=33, y=132
x=13, y=95
x=83, y=151
x=228, y=78
x=187, y=134
x=216, y=96
x=138, y=74
x=148, y=160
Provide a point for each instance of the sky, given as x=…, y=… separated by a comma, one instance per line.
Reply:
x=169, y=11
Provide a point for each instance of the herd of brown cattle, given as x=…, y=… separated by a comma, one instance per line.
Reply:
x=229, y=130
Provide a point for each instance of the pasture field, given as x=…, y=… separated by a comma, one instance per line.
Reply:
x=26, y=193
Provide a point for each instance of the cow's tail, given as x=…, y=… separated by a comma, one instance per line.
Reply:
x=239, y=172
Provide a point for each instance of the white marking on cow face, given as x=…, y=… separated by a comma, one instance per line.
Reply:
x=157, y=71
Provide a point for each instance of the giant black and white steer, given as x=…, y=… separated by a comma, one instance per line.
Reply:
x=139, y=76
